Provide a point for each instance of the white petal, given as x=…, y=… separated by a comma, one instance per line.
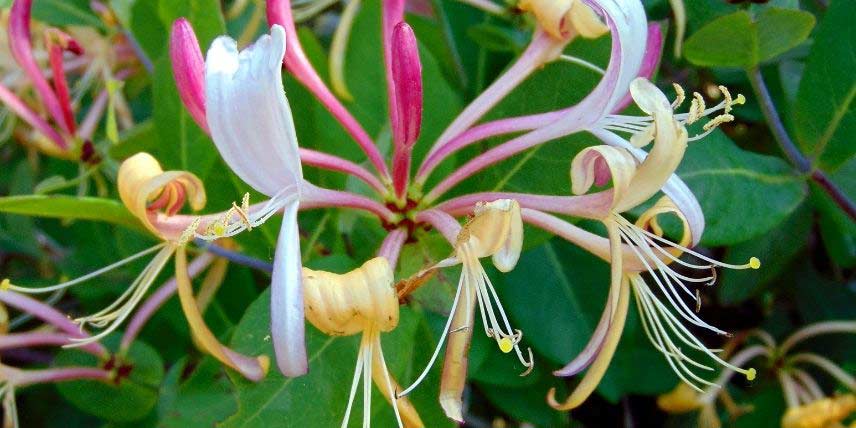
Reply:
x=286, y=299
x=649, y=97
x=248, y=114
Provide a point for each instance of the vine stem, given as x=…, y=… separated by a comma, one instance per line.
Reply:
x=797, y=159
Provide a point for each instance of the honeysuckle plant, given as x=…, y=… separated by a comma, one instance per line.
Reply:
x=411, y=188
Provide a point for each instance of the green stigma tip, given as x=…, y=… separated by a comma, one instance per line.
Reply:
x=754, y=263
x=750, y=374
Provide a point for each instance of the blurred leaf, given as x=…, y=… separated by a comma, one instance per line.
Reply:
x=738, y=40
x=205, y=16
x=140, y=138
x=147, y=28
x=529, y=404
x=775, y=249
x=742, y=194
x=71, y=207
x=66, y=12
x=131, y=400
x=825, y=119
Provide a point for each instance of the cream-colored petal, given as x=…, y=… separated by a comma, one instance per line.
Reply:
x=599, y=164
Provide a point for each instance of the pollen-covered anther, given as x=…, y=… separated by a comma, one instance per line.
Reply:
x=697, y=108
x=718, y=120
x=189, y=232
x=680, y=96
x=243, y=212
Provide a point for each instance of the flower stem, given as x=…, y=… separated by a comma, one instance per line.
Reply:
x=797, y=159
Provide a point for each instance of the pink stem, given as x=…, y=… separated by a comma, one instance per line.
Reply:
x=60, y=83
x=592, y=206
x=279, y=12
x=26, y=340
x=16, y=105
x=22, y=50
x=157, y=299
x=497, y=154
x=481, y=132
x=335, y=163
x=93, y=116
x=582, y=238
x=318, y=197
x=542, y=49
x=30, y=377
x=443, y=222
x=391, y=246
x=50, y=316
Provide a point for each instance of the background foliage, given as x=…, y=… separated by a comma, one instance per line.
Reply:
x=755, y=204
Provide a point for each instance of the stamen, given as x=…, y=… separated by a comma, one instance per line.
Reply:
x=718, y=120
x=5, y=285
x=727, y=95
x=358, y=370
x=697, y=109
x=680, y=96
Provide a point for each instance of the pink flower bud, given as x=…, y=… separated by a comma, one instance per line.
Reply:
x=188, y=68
x=407, y=77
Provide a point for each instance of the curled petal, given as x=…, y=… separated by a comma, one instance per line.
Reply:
x=653, y=54
x=586, y=22
x=252, y=368
x=350, y=303
x=682, y=399
x=145, y=188
x=648, y=97
x=188, y=68
x=248, y=114
x=495, y=230
x=562, y=18
x=286, y=299
x=648, y=220
x=597, y=165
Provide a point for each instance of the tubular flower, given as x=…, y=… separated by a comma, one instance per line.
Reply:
x=495, y=230
x=562, y=18
x=251, y=125
x=153, y=196
x=632, y=185
x=361, y=301
x=823, y=413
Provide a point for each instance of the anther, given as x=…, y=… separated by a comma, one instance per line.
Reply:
x=718, y=120
x=728, y=100
x=190, y=232
x=680, y=96
x=5, y=284
x=754, y=263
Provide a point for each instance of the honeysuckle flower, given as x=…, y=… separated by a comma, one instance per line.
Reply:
x=496, y=231
x=808, y=405
x=152, y=195
x=361, y=301
x=631, y=186
x=251, y=125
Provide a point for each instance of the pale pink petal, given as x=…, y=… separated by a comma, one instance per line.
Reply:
x=247, y=112
x=286, y=299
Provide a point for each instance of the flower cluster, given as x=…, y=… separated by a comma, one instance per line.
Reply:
x=237, y=97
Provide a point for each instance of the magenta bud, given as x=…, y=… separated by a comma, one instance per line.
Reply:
x=407, y=78
x=188, y=69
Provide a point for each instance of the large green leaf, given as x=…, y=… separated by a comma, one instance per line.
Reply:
x=741, y=40
x=65, y=12
x=131, y=399
x=195, y=395
x=825, y=119
x=71, y=207
x=742, y=194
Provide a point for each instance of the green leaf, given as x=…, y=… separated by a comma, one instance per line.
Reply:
x=71, y=207
x=775, y=249
x=131, y=400
x=728, y=41
x=825, y=119
x=202, y=397
x=529, y=404
x=738, y=40
x=742, y=194
x=66, y=12
x=319, y=398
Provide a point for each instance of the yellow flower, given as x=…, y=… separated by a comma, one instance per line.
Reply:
x=361, y=301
